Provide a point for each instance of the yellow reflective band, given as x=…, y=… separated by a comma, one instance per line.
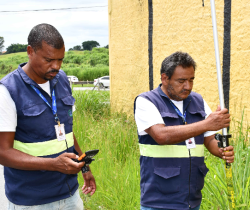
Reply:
x=45, y=148
x=170, y=151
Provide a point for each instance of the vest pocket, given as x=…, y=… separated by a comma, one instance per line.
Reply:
x=37, y=181
x=37, y=116
x=69, y=101
x=167, y=179
x=200, y=176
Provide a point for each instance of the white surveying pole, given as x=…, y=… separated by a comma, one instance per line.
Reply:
x=217, y=57
x=223, y=142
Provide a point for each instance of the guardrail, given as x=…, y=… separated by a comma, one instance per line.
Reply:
x=83, y=83
x=88, y=82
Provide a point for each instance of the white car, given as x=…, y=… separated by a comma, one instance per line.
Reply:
x=73, y=78
x=102, y=82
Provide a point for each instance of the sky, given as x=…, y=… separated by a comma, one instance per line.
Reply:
x=75, y=25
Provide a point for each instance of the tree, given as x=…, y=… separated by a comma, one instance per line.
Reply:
x=88, y=45
x=13, y=48
x=107, y=46
x=77, y=47
x=1, y=43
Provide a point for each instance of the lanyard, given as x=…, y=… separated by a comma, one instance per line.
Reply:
x=54, y=108
x=183, y=116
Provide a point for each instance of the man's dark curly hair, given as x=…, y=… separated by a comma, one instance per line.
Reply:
x=47, y=33
x=176, y=59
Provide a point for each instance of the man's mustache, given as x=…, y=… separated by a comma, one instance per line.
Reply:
x=184, y=90
x=53, y=71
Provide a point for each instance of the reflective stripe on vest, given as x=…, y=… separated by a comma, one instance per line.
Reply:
x=45, y=148
x=170, y=151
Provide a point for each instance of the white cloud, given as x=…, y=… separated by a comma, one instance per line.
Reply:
x=76, y=26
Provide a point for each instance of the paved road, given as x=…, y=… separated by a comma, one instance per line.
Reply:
x=3, y=199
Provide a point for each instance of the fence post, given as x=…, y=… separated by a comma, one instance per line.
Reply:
x=70, y=84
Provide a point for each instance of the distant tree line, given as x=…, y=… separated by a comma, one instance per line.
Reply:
x=14, y=48
x=87, y=45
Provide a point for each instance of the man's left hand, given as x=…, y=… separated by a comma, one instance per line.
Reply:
x=89, y=183
x=227, y=154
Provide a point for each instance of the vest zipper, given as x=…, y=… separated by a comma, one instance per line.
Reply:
x=189, y=177
x=52, y=89
x=65, y=139
x=67, y=149
x=190, y=165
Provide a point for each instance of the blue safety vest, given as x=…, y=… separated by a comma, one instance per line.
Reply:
x=172, y=176
x=35, y=135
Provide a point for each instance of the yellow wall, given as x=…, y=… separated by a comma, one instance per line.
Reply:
x=128, y=52
x=177, y=26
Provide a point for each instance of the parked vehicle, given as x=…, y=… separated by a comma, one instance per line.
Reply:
x=73, y=78
x=102, y=82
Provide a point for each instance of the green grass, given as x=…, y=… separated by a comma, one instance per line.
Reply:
x=10, y=62
x=86, y=65
x=116, y=168
x=2, y=76
x=215, y=190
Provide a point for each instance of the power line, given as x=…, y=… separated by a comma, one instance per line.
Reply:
x=39, y=10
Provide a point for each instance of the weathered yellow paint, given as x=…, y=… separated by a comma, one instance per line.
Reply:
x=177, y=26
x=128, y=52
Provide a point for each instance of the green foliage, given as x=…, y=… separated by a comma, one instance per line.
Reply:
x=86, y=65
x=10, y=62
x=1, y=43
x=14, y=48
x=89, y=45
x=215, y=189
x=77, y=47
x=95, y=103
x=2, y=76
x=94, y=57
x=116, y=166
x=87, y=72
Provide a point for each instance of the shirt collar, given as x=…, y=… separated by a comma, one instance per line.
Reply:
x=29, y=81
x=161, y=92
x=185, y=101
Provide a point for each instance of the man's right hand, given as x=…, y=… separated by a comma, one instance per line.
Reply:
x=218, y=119
x=64, y=164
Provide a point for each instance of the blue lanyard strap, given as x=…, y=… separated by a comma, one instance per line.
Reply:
x=54, y=108
x=183, y=116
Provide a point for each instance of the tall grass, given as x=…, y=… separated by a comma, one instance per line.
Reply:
x=86, y=72
x=2, y=76
x=215, y=190
x=10, y=62
x=116, y=168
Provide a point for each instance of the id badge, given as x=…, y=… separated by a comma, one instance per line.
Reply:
x=60, y=132
x=190, y=143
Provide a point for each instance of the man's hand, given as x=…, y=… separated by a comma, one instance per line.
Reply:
x=227, y=154
x=64, y=164
x=89, y=183
x=218, y=119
